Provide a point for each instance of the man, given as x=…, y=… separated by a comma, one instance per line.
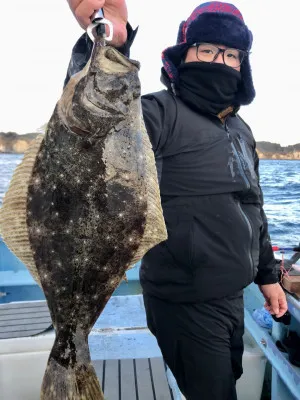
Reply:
x=218, y=240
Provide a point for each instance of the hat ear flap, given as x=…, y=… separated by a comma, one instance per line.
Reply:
x=246, y=91
x=181, y=33
x=250, y=38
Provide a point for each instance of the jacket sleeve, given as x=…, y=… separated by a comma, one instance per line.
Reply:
x=157, y=121
x=267, y=272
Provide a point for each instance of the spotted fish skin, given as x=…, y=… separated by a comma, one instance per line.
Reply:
x=87, y=210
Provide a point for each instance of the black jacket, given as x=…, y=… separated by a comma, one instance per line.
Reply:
x=218, y=240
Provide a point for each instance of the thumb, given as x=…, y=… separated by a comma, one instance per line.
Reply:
x=274, y=304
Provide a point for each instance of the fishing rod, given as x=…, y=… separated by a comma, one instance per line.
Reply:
x=283, y=249
x=292, y=261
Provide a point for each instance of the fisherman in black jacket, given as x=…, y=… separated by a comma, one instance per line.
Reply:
x=218, y=241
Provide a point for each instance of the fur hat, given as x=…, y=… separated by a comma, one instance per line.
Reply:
x=219, y=23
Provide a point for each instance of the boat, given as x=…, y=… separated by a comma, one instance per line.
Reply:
x=126, y=357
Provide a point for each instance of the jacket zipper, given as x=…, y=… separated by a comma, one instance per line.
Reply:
x=246, y=219
x=250, y=232
x=243, y=147
x=241, y=169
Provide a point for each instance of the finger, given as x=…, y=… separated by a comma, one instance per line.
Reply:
x=73, y=4
x=283, y=306
x=85, y=10
x=274, y=304
x=267, y=307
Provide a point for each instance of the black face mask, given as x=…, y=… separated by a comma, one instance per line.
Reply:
x=208, y=87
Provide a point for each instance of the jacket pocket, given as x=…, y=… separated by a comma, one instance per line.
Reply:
x=187, y=243
x=221, y=240
x=179, y=243
x=253, y=214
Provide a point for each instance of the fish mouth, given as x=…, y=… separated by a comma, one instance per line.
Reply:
x=111, y=61
x=101, y=94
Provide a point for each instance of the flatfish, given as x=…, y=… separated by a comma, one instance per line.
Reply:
x=89, y=209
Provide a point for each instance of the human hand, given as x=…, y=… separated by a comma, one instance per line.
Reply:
x=275, y=298
x=114, y=10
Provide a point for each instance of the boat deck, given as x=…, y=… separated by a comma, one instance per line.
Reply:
x=133, y=379
x=120, y=379
x=24, y=319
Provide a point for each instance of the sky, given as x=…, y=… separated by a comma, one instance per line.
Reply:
x=37, y=38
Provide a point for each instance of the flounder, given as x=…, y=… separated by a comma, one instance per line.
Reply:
x=83, y=207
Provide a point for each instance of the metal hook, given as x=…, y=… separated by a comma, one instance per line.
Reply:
x=97, y=19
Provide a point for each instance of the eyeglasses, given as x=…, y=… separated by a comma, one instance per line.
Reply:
x=208, y=53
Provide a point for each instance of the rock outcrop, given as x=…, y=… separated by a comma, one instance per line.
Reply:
x=273, y=151
x=13, y=143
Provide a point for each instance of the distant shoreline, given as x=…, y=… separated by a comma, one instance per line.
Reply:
x=260, y=158
x=279, y=159
x=12, y=143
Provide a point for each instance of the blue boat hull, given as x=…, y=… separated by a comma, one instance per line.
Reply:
x=16, y=283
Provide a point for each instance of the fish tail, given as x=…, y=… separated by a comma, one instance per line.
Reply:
x=62, y=383
x=65, y=379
